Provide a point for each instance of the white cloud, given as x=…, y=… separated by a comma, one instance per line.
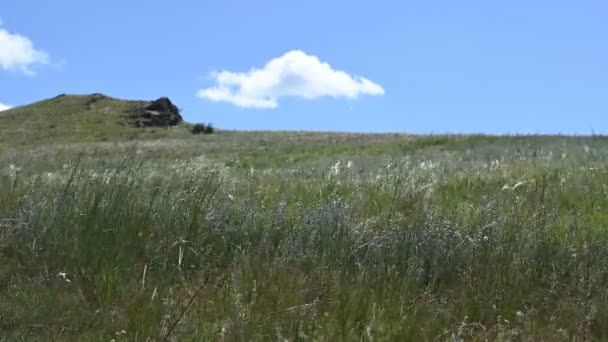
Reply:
x=293, y=74
x=4, y=107
x=17, y=53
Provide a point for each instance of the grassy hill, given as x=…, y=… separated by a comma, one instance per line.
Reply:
x=160, y=235
x=75, y=118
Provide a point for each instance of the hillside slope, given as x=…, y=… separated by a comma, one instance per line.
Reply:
x=303, y=235
x=76, y=118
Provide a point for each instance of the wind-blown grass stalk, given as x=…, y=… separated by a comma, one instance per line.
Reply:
x=433, y=250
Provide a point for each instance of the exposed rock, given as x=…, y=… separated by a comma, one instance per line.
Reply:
x=159, y=113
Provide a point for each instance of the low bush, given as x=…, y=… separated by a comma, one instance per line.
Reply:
x=202, y=128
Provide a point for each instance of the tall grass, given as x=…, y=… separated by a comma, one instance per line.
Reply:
x=410, y=249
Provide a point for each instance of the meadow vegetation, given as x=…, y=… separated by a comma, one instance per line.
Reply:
x=294, y=236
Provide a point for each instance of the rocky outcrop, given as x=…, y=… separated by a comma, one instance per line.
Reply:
x=159, y=113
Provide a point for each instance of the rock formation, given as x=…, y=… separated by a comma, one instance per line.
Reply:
x=159, y=113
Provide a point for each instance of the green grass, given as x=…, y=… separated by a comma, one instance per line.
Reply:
x=241, y=236
x=75, y=118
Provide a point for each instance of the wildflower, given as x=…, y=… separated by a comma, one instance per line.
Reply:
x=336, y=167
x=349, y=164
x=334, y=170
x=13, y=170
x=64, y=276
x=428, y=165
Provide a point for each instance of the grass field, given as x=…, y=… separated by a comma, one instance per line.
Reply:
x=295, y=236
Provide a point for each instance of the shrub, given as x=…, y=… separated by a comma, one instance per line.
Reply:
x=202, y=128
x=208, y=129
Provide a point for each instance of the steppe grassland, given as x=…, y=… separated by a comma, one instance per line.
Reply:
x=310, y=236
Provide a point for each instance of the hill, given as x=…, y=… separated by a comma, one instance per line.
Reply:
x=79, y=118
x=262, y=236
x=307, y=236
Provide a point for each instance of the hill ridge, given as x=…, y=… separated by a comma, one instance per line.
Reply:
x=88, y=117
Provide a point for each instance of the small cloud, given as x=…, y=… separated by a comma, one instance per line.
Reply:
x=4, y=107
x=17, y=53
x=292, y=74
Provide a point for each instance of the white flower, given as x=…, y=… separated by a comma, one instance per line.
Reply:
x=14, y=169
x=334, y=170
x=428, y=165
x=337, y=166
x=349, y=164
x=64, y=276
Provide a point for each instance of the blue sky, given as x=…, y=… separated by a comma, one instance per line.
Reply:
x=439, y=66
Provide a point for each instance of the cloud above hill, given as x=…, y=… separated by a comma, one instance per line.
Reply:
x=4, y=107
x=295, y=74
x=17, y=53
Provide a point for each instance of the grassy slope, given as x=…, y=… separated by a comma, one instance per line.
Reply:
x=73, y=118
x=271, y=239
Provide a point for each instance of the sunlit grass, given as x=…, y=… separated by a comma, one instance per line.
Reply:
x=442, y=238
